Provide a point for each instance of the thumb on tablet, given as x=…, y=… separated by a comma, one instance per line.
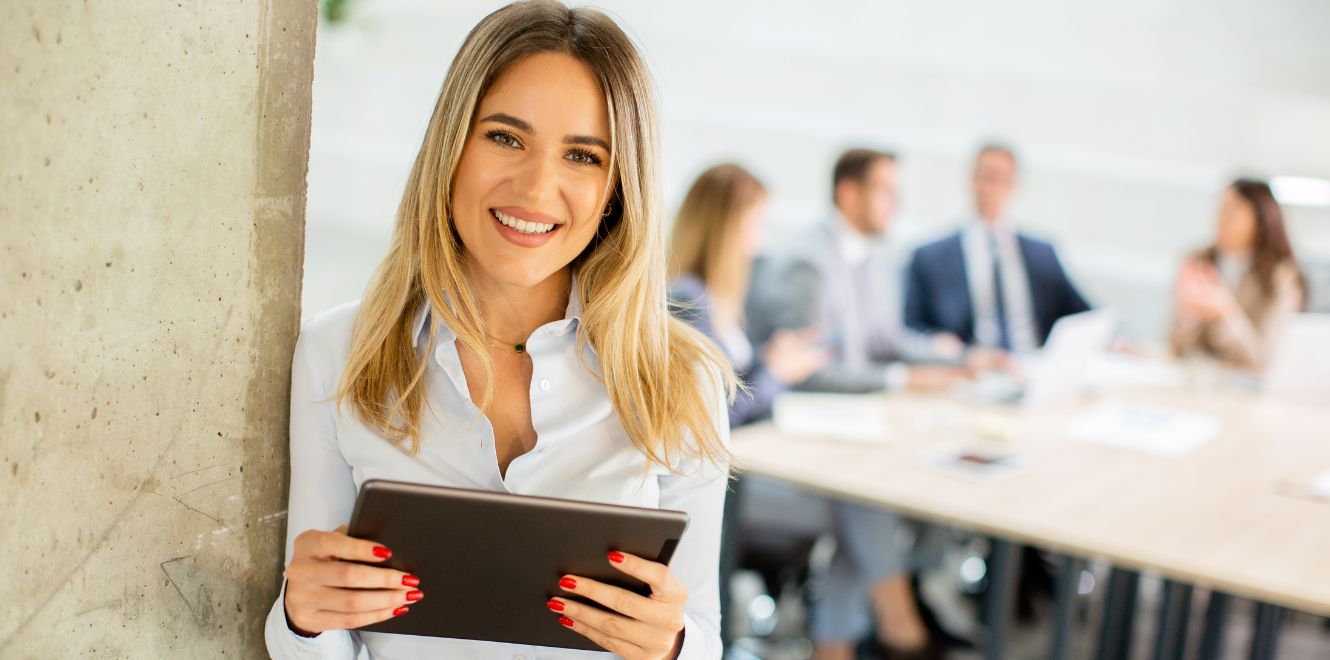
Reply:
x=349, y=547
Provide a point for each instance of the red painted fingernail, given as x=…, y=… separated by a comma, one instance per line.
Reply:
x=566, y=621
x=616, y=556
x=410, y=581
x=401, y=610
x=382, y=552
x=555, y=604
x=415, y=594
x=568, y=583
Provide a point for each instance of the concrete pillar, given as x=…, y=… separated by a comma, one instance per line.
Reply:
x=152, y=196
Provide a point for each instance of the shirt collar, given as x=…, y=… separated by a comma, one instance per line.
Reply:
x=572, y=317
x=854, y=246
x=1000, y=228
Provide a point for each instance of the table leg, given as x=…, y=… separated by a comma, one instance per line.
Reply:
x=1216, y=618
x=1266, y=635
x=729, y=557
x=1064, y=601
x=1001, y=592
x=1171, y=638
x=1119, y=615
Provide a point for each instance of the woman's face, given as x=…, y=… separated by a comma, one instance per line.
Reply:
x=1236, y=231
x=530, y=188
x=751, y=220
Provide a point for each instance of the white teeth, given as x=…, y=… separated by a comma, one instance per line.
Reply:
x=522, y=225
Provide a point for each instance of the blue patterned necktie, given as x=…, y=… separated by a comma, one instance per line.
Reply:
x=999, y=296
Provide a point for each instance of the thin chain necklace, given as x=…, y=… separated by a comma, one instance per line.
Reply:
x=520, y=347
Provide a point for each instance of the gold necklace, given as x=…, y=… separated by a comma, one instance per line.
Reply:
x=520, y=347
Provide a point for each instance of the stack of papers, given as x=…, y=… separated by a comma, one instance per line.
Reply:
x=857, y=417
x=1152, y=429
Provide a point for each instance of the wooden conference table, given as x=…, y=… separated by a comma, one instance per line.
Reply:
x=1235, y=515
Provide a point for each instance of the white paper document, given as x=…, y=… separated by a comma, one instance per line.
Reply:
x=857, y=417
x=1320, y=485
x=1152, y=429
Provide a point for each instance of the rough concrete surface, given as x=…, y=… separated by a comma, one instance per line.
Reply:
x=152, y=198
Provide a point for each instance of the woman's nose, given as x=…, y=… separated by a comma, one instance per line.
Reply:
x=536, y=178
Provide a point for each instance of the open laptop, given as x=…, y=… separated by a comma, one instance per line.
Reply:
x=1060, y=372
x=1299, y=367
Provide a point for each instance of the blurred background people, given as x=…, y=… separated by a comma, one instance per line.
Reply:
x=997, y=290
x=715, y=237
x=988, y=283
x=1234, y=297
x=838, y=277
x=1121, y=186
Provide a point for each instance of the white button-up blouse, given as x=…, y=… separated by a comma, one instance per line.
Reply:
x=581, y=452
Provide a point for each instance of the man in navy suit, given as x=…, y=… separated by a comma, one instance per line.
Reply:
x=989, y=284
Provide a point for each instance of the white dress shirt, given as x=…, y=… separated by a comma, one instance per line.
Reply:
x=976, y=240
x=854, y=246
x=856, y=249
x=582, y=452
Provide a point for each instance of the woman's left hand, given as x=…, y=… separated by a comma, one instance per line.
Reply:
x=638, y=627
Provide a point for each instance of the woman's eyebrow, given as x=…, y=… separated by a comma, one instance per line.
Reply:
x=525, y=127
x=586, y=140
x=519, y=124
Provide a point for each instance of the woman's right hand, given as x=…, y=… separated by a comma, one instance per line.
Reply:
x=1199, y=293
x=327, y=590
x=794, y=355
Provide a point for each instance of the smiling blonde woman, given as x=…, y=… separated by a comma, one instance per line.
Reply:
x=515, y=338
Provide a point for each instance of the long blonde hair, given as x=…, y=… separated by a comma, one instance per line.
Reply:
x=707, y=237
x=658, y=372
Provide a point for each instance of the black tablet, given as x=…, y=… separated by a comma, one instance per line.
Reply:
x=488, y=561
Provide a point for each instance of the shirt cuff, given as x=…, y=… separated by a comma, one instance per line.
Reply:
x=283, y=643
x=898, y=376
x=700, y=642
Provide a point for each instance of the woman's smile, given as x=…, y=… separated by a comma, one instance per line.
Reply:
x=534, y=172
x=522, y=227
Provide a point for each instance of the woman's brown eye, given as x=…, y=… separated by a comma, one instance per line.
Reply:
x=585, y=157
x=503, y=138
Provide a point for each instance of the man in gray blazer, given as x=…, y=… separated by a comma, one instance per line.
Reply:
x=836, y=277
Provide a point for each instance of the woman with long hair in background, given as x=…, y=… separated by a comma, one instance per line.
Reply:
x=717, y=231
x=1234, y=298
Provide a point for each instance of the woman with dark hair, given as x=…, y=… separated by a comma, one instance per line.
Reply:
x=1233, y=298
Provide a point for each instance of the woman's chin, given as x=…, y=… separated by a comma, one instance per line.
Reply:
x=522, y=278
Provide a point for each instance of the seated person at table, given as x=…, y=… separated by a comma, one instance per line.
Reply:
x=716, y=234
x=989, y=284
x=839, y=279
x=836, y=278
x=1233, y=298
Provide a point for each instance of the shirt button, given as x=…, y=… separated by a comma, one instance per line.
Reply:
x=545, y=384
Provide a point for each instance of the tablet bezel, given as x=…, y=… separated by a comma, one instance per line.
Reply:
x=462, y=585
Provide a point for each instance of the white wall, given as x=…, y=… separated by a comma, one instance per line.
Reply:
x=1129, y=115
